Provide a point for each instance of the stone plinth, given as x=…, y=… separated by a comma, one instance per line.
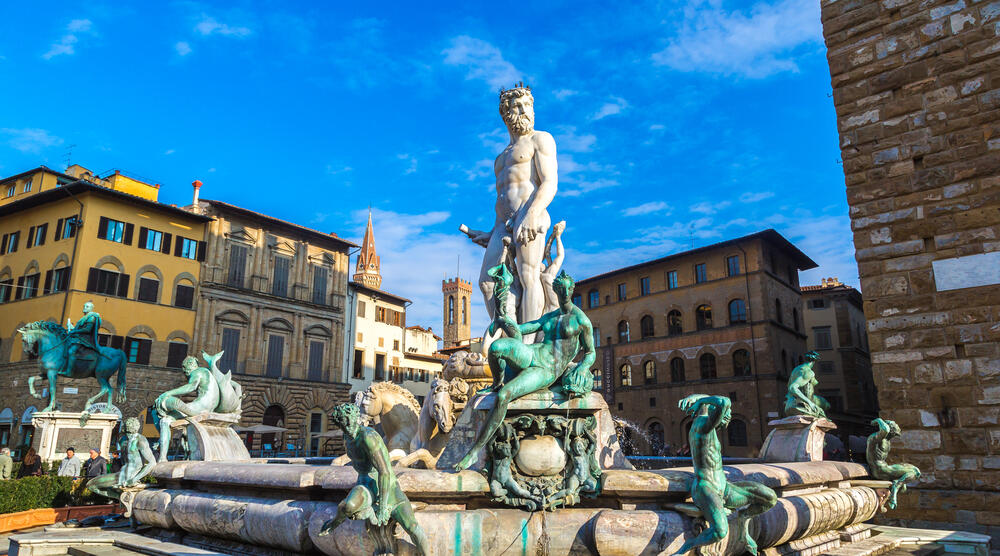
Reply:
x=796, y=438
x=57, y=430
x=211, y=437
x=545, y=402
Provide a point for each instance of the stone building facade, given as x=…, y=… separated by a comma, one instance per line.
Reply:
x=720, y=320
x=917, y=94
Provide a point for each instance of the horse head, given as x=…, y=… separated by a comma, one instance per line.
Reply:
x=37, y=332
x=442, y=406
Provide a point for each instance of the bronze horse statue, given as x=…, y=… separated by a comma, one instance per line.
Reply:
x=51, y=342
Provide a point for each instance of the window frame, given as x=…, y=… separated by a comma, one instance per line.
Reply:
x=671, y=279
x=733, y=265
x=700, y=273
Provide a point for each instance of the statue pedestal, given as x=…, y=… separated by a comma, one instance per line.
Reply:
x=210, y=437
x=796, y=438
x=58, y=430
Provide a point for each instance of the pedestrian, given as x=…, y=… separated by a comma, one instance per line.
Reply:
x=96, y=465
x=116, y=461
x=31, y=465
x=70, y=466
x=6, y=464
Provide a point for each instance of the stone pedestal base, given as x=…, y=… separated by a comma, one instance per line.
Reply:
x=795, y=438
x=210, y=437
x=58, y=430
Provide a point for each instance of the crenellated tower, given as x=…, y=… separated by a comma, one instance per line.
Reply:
x=457, y=306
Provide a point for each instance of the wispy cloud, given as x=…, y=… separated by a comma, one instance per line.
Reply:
x=657, y=127
x=647, y=208
x=169, y=152
x=208, y=26
x=412, y=160
x=614, y=106
x=182, y=48
x=567, y=139
x=30, y=140
x=338, y=168
x=709, y=207
x=563, y=94
x=755, y=197
x=754, y=44
x=482, y=61
x=66, y=45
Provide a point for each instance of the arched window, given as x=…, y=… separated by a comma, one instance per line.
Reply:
x=655, y=433
x=593, y=299
x=646, y=326
x=676, y=370
x=703, y=317
x=626, y=375
x=598, y=379
x=674, y=324
x=465, y=310
x=738, y=433
x=451, y=309
x=623, y=332
x=274, y=416
x=707, y=365
x=737, y=312
x=741, y=362
x=184, y=294
x=777, y=311
x=795, y=319
x=649, y=371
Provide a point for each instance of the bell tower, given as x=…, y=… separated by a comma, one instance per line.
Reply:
x=457, y=295
x=368, y=271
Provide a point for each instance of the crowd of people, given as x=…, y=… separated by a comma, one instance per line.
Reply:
x=70, y=466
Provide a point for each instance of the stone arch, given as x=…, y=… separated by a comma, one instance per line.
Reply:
x=179, y=335
x=6, y=272
x=319, y=398
x=184, y=276
x=279, y=324
x=318, y=330
x=111, y=260
x=273, y=394
x=62, y=258
x=142, y=329
x=33, y=265
x=149, y=268
x=109, y=326
x=232, y=316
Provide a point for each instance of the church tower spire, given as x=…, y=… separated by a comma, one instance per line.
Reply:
x=368, y=271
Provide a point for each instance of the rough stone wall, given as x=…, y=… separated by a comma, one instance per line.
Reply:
x=916, y=85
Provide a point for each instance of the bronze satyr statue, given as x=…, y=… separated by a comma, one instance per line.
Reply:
x=879, y=444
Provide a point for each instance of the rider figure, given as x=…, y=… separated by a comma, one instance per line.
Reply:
x=83, y=337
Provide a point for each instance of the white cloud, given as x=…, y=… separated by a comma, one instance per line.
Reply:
x=482, y=61
x=334, y=169
x=405, y=157
x=755, y=197
x=30, y=140
x=169, y=152
x=182, y=48
x=479, y=170
x=647, y=208
x=828, y=240
x=567, y=139
x=563, y=94
x=208, y=26
x=753, y=44
x=657, y=127
x=615, y=106
x=66, y=43
x=709, y=207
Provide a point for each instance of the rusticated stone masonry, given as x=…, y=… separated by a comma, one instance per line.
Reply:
x=916, y=85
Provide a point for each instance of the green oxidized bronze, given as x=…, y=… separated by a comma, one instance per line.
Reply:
x=711, y=492
x=520, y=369
x=139, y=461
x=802, y=398
x=377, y=498
x=879, y=444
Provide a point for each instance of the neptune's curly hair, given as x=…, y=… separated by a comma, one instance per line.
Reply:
x=345, y=414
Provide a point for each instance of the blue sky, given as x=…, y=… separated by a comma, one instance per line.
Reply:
x=677, y=124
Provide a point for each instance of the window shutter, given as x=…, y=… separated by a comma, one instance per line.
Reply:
x=102, y=228
x=59, y=226
x=48, y=282
x=144, y=347
x=117, y=341
x=178, y=245
x=201, y=250
x=143, y=232
x=92, y=279
x=129, y=228
x=123, y=285
x=3, y=245
x=31, y=237
x=20, y=288
x=165, y=248
x=43, y=231
x=10, y=291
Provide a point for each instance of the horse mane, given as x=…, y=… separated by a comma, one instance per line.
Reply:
x=385, y=387
x=47, y=326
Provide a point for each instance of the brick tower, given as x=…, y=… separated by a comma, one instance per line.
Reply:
x=457, y=299
x=368, y=271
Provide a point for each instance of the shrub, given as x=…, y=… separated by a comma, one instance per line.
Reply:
x=32, y=493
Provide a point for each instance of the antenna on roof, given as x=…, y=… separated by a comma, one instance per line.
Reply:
x=69, y=154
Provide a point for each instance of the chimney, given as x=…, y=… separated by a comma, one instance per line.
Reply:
x=197, y=188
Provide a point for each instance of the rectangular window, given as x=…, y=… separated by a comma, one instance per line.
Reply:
x=176, y=352
x=361, y=309
x=644, y=286
x=230, y=348
x=593, y=299
x=700, y=274
x=821, y=337
x=149, y=290
x=137, y=350
x=29, y=287
x=107, y=282
x=6, y=290
x=11, y=190
x=652, y=402
x=359, y=364
x=319, y=285
x=275, y=353
x=597, y=336
x=36, y=235
x=184, y=296
x=395, y=345
x=379, y=366
x=188, y=248
x=315, y=361
x=27, y=187
x=733, y=265
x=672, y=280
x=114, y=230
x=578, y=300
x=56, y=280
x=315, y=427
x=279, y=283
x=150, y=239
x=65, y=228
x=237, y=266
x=621, y=292
x=8, y=244
x=817, y=303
